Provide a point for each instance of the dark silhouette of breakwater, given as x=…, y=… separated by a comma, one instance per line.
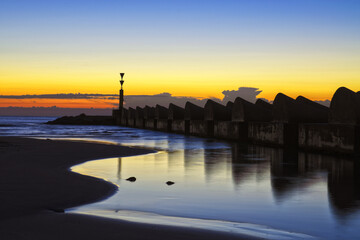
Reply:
x=287, y=122
x=83, y=119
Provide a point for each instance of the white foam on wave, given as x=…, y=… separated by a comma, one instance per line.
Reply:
x=249, y=229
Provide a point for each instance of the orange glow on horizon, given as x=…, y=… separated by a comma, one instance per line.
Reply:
x=62, y=103
x=105, y=103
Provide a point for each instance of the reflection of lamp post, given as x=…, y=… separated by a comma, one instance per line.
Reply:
x=121, y=100
x=119, y=169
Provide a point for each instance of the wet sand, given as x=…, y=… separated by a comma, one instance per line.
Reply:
x=36, y=185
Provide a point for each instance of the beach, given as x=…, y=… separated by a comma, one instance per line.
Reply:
x=37, y=186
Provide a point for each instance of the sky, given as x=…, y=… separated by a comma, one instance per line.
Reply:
x=196, y=48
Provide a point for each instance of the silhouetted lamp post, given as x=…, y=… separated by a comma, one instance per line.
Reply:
x=121, y=100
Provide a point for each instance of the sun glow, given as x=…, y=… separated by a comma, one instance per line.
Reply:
x=196, y=52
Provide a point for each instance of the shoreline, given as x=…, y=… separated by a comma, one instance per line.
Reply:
x=37, y=185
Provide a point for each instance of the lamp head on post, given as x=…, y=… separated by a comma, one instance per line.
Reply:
x=122, y=81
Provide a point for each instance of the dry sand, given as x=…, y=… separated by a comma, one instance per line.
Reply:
x=36, y=185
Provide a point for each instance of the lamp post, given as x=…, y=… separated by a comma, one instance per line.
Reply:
x=121, y=99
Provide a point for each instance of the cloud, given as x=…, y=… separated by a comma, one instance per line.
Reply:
x=247, y=93
x=166, y=98
x=52, y=111
x=163, y=99
x=326, y=103
x=130, y=100
x=63, y=96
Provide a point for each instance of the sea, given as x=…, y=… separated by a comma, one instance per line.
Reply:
x=265, y=192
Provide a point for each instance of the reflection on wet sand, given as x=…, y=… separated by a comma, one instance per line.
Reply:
x=247, y=162
x=293, y=171
x=344, y=187
x=193, y=160
x=119, y=169
x=234, y=182
x=290, y=171
x=217, y=163
x=173, y=160
x=285, y=175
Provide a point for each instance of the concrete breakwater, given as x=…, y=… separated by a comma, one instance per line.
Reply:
x=83, y=119
x=287, y=122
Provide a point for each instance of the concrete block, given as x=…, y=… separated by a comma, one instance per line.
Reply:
x=345, y=107
x=176, y=112
x=329, y=137
x=271, y=133
x=301, y=110
x=161, y=112
x=180, y=126
x=284, y=109
x=149, y=112
x=132, y=117
x=214, y=111
x=193, y=112
x=139, y=118
x=202, y=128
x=263, y=104
x=311, y=111
x=229, y=105
x=116, y=116
x=150, y=124
x=231, y=130
x=164, y=125
x=124, y=117
x=266, y=132
x=244, y=111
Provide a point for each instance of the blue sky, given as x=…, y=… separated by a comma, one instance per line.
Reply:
x=250, y=42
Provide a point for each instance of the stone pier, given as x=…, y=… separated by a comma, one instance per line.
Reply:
x=289, y=123
x=131, y=117
x=345, y=107
x=177, y=118
x=149, y=118
x=139, y=118
x=124, y=117
x=198, y=125
x=161, y=117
